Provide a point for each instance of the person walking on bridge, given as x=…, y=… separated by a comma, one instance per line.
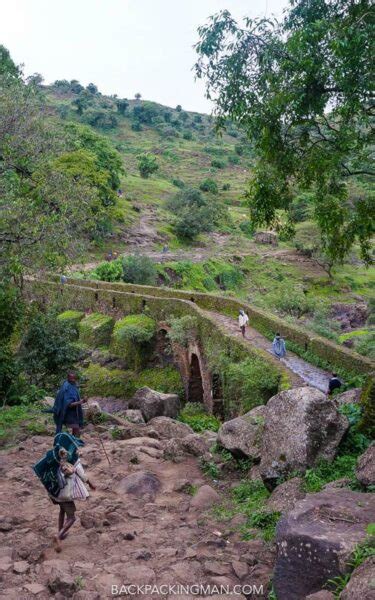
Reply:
x=278, y=346
x=243, y=320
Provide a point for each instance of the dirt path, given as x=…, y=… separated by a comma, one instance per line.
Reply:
x=118, y=538
x=303, y=373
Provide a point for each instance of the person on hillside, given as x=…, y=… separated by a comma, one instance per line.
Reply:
x=72, y=481
x=334, y=384
x=278, y=346
x=67, y=409
x=243, y=320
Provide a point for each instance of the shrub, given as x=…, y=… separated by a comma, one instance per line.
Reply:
x=226, y=187
x=187, y=135
x=99, y=381
x=139, y=269
x=108, y=271
x=178, y=183
x=183, y=330
x=131, y=339
x=47, y=351
x=199, y=421
x=147, y=164
x=136, y=126
x=247, y=227
x=209, y=185
x=71, y=318
x=95, y=330
x=234, y=159
x=291, y=300
x=218, y=164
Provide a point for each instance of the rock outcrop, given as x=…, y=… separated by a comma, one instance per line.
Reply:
x=365, y=471
x=141, y=484
x=285, y=496
x=316, y=539
x=349, y=397
x=168, y=428
x=155, y=404
x=242, y=435
x=302, y=426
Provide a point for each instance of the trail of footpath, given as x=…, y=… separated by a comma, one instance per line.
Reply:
x=302, y=372
x=164, y=539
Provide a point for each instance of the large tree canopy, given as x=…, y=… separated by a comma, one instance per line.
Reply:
x=303, y=90
x=56, y=180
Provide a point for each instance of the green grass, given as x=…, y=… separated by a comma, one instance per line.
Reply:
x=23, y=419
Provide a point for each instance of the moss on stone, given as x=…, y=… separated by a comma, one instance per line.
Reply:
x=72, y=318
x=166, y=380
x=99, y=381
x=132, y=340
x=367, y=424
x=95, y=330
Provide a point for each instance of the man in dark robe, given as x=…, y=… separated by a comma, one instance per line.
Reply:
x=67, y=409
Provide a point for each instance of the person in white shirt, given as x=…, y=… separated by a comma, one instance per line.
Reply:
x=243, y=320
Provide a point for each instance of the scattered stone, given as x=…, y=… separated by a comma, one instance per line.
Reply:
x=63, y=583
x=322, y=595
x=316, y=539
x=134, y=416
x=242, y=436
x=362, y=582
x=91, y=410
x=143, y=555
x=302, y=427
x=176, y=448
x=338, y=484
x=21, y=567
x=128, y=536
x=284, y=497
x=154, y=404
x=34, y=588
x=349, y=397
x=5, y=564
x=205, y=497
x=240, y=569
x=213, y=567
x=168, y=428
x=365, y=471
x=266, y=237
x=182, y=485
x=140, y=484
x=350, y=316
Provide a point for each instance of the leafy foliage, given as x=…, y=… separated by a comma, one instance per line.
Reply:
x=182, y=330
x=193, y=414
x=194, y=213
x=302, y=91
x=147, y=164
x=139, y=269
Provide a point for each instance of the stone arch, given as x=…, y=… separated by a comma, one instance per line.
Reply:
x=195, y=384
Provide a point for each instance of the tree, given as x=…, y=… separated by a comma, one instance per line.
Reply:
x=137, y=96
x=122, y=104
x=92, y=88
x=194, y=213
x=83, y=101
x=179, y=108
x=303, y=91
x=139, y=269
x=147, y=164
x=209, y=185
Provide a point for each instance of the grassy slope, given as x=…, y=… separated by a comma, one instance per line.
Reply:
x=267, y=276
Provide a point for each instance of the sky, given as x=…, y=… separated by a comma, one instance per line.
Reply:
x=123, y=46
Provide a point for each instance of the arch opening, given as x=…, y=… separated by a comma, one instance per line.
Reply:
x=195, y=388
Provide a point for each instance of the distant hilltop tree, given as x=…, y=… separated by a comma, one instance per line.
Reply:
x=7, y=67
x=122, y=104
x=179, y=108
x=35, y=79
x=76, y=87
x=137, y=96
x=92, y=88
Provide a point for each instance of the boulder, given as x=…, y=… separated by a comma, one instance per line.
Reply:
x=365, y=471
x=349, y=397
x=242, y=435
x=316, y=540
x=285, y=496
x=322, y=595
x=205, y=498
x=193, y=444
x=362, y=582
x=134, y=416
x=155, y=404
x=350, y=316
x=266, y=237
x=168, y=428
x=302, y=427
x=63, y=583
x=140, y=484
x=91, y=410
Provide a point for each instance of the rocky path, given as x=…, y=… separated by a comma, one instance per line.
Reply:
x=302, y=372
x=157, y=535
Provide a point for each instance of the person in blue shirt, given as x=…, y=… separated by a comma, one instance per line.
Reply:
x=67, y=409
x=278, y=346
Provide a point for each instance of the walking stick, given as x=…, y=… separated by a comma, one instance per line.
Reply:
x=104, y=450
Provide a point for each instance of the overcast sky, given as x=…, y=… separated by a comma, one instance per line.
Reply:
x=123, y=46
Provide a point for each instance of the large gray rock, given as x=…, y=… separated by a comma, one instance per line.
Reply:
x=349, y=397
x=362, y=582
x=177, y=448
x=168, y=428
x=302, y=427
x=140, y=484
x=205, y=498
x=155, y=404
x=242, y=435
x=365, y=471
x=134, y=416
x=316, y=539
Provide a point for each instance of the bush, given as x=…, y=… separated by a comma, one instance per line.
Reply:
x=183, y=330
x=178, y=183
x=291, y=300
x=200, y=421
x=102, y=119
x=187, y=135
x=131, y=340
x=147, y=164
x=194, y=213
x=95, y=330
x=247, y=227
x=218, y=164
x=108, y=271
x=136, y=126
x=99, y=381
x=139, y=269
x=234, y=159
x=209, y=185
x=47, y=351
x=166, y=380
x=226, y=187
